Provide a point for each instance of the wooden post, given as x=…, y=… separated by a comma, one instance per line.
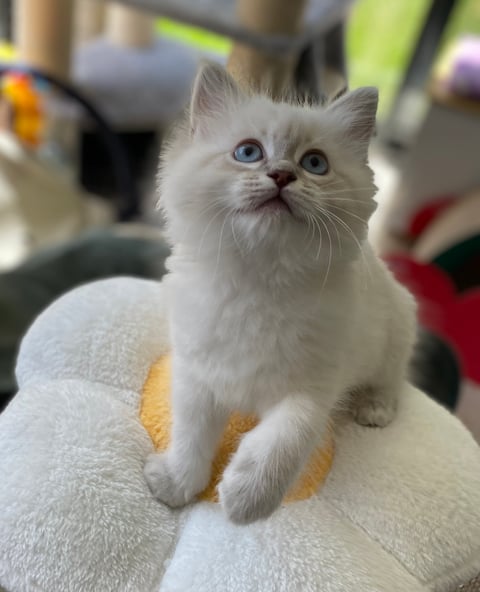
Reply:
x=43, y=34
x=129, y=27
x=260, y=69
x=89, y=19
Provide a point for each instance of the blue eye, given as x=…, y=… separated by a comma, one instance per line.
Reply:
x=248, y=152
x=315, y=163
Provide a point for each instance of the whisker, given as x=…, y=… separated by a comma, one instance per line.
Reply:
x=360, y=249
x=234, y=236
x=343, y=224
x=329, y=198
x=342, y=189
x=320, y=240
x=349, y=213
x=209, y=206
x=311, y=229
x=351, y=189
x=320, y=219
x=219, y=248
x=336, y=231
x=324, y=212
x=199, y=248
x=331, y=215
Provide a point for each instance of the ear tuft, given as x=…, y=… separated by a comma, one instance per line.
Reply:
x=214, y=91
x=357, y=111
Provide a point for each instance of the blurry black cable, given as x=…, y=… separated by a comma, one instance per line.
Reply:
x=129, y=204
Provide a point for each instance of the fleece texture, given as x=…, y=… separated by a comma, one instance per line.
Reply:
x=399, y=511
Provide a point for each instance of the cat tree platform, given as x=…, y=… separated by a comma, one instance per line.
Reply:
x=220, y=16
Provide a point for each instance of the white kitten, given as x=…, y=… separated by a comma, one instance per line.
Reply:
x=278, y=306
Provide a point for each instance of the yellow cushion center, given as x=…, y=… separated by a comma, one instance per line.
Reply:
x=156, y=417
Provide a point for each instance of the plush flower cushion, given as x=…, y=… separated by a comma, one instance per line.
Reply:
x=399, y=509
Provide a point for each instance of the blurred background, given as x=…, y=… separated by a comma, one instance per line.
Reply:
x=88, y=88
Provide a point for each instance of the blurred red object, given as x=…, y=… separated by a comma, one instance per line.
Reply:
x=455, y=318
x=424, y=216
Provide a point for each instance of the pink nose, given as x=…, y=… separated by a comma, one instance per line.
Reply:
x=282, y=178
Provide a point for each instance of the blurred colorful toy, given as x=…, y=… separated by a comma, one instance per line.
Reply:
x=24, y=94
x=459, y=70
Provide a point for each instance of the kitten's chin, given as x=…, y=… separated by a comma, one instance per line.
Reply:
x=271, y=228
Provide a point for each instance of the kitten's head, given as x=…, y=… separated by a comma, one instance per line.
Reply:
x=245, y=173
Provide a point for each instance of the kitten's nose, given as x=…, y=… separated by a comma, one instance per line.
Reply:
x=282, y=177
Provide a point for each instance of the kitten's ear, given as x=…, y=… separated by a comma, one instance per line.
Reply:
x=214, y=91
x=356, y=111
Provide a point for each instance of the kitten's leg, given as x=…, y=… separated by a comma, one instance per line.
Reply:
x=376, y=404
x=270, y=457
x=176, y=476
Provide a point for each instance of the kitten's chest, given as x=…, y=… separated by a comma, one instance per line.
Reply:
x=241, y=325
x=254, y=348
x=246, y=336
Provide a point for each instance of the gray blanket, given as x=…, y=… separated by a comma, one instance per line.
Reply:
x=29, y=289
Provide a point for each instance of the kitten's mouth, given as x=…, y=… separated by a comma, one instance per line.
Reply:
x=277, y=203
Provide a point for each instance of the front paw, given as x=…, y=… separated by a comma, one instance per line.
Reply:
x=375, y=412
x=247, y=494
x=162, y=483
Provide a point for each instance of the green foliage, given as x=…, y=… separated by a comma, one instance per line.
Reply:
x=380, y=39
x=382, y=35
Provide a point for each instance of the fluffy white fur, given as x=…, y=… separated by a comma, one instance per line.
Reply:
x=285, y=313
